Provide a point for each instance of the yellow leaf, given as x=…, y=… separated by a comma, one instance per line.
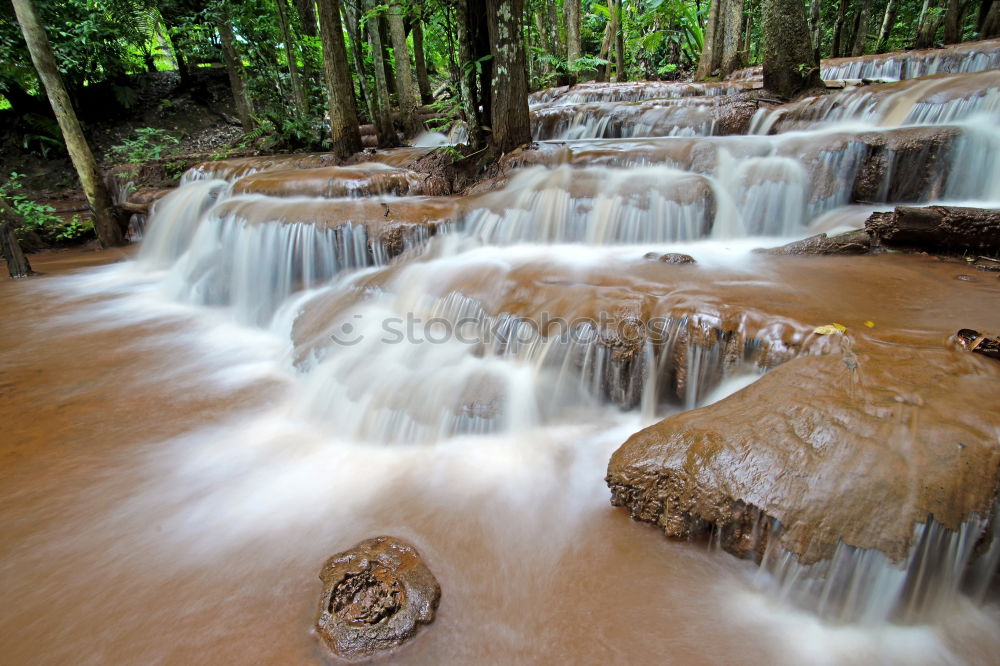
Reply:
x=870, y=324
x=830, y=329
x=839, y=327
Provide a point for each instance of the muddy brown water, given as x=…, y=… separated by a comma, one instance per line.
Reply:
x=156, y=509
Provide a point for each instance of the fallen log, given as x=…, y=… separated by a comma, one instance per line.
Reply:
x=851, y=242
x=17, y=262
x=948, y=229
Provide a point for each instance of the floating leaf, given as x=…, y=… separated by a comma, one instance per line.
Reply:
x=830, y=329
x=870, y=324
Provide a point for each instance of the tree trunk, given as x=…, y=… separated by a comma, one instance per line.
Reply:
x=383, y=32
x=237, y=77
x=383, y=117
x=604, y=71
x=482, y=51
x=836, y=49
x=953, y=22
x=706, y=64
x=571, y=10
x=344, y=131
x=619, y=30
x=540, y=29
x=17, y=263
x=815, y=24
x=307, y=16
x=990, y=25
x=423, y=82
x=98, y=197
x=467, y=82
x=406, y=88
x=937, y=228
x=888, y=21
x=930, y=21
x=790, y=65
x=354, y=32
x=861, y=28
x=556, y=46
x=511, y=126
x=732, y=25
x=298, y=92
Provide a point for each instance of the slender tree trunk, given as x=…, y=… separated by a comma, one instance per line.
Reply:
x=989, y=26
x=571, y=11
x=927, y=26
x=790, y=65
x=298, y=92
x=350, y=14
x=10, y=249
x=706, y=64
x=406, y=89
x=467, y=82
x=98, y=197
x=953, y=22
x=619, y=30
x=383, y=31
x=887, y=22
x=237, y=77
x=836, y=49
x=604, y=71
x=307, y=16
x=748, y=31
x=450, y=32
x=423, y=81
x=861, y=28
x=815, y=24
x=556, y=46
x=511, y=126
x=482, y=51
x=732, y=24
x=383, y=118
x=344, y=131
x=540, y=29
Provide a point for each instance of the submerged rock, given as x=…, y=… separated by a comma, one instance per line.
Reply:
x=848, y=448
x=375, y=596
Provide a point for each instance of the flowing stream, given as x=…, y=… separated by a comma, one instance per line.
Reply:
x=299, y=358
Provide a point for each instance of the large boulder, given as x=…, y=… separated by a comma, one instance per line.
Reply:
x=852, y=447
x=375, y=597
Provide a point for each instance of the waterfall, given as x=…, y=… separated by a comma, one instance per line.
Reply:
x=561, y=297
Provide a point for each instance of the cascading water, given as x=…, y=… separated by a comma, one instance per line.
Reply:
x=426, y=340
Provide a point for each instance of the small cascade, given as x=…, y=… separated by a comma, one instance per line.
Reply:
x=632, y=91
x=610, y=120
x=941, y=100
x=963, y=58
x=865, y=586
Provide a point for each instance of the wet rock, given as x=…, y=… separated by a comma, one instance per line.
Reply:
x=375, y=597
x=851, y=447
x=851, y=242
x=906, y=164
x=670, y=258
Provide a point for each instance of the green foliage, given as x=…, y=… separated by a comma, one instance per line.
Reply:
x=145, y=145
x=40, y=219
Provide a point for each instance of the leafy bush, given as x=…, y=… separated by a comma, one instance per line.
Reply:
x=145, y=145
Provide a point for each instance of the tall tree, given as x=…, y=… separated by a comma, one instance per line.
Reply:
x=574, y=49
x=861, y=28
x=467, y=83
x=420, y=61
x=511, y=125
x=709, y=58
x=888, y=20
x=383, y=115
x=928, y=23
x=989, y=19
x=732, y=26
x=298, y=92
x=619, y=31
x=953, y=21
x=837, y=48
x=237, y=76
x=344, y=131
x=790, y=64
x=815, y=23
x=94, y=188
x=406, y=88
